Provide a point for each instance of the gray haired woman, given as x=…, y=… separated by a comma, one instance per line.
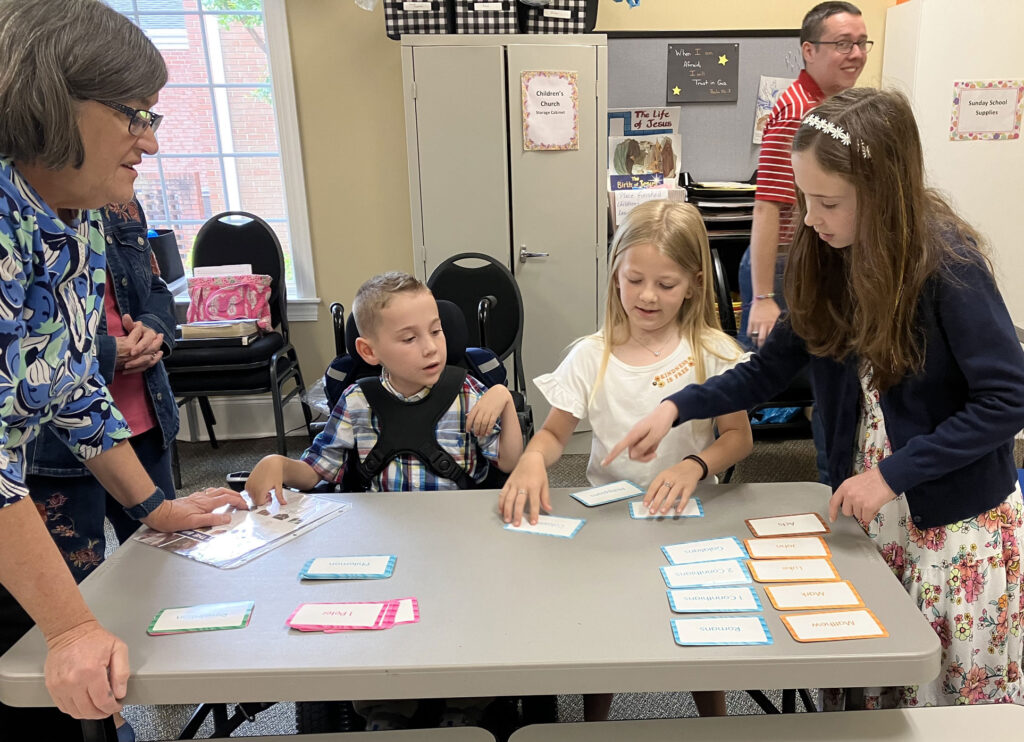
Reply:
x=77, y=88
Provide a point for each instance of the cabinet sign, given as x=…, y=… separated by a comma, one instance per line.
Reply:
x=550, y=110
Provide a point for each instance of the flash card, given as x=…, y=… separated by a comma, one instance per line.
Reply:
x=692, y=509
x=830, y=626
x=714, y=600
x=786, y=547
x=550, y=525
x=706, y=574
x=792, y=570
x=207, y=617
x=813, y=595
x=696, y=632
x=788, y=525
x=707, y=550
x=348, y=568
x=607, y=493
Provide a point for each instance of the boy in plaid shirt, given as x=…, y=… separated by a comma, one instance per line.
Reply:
x=400, y=330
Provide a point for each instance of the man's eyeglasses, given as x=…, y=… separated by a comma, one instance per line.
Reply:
x=845, y=47
x=139, y=118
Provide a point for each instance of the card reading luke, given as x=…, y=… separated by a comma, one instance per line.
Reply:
x=798, y=524
x=706, y=550
x=787, y=547
x=693, y=509
x=706, y=574
x=208, y=617
x=819, y=595
x=831, y=626
x=714, y=600
x=376, y=567
x=793, y=570
x=698, y=632
x=550, y=525
x=607, y=493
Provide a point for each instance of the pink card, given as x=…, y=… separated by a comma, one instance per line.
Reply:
x=402, y=610
x=343, y=616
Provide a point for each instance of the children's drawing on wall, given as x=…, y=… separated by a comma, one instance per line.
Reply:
x=768, y=91
x=645, y=154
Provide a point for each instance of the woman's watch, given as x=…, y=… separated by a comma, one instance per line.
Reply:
x=147, y=506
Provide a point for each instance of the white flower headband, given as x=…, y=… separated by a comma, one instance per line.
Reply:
x=836, y=132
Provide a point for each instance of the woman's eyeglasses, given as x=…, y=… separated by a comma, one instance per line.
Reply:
x=139, y=118
x=845, y=47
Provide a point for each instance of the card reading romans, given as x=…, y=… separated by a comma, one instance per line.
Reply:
x=706, y=550
x=695, y=632
x=692, y=509
x=207, y=617
x=793, y=570
x=550, y=525
x=349, y=568
x=714, y=600
x=788, y=525
x=787, y=547
x=810, y=595
x=607, y=493
x=706, y=574
x=830, y=626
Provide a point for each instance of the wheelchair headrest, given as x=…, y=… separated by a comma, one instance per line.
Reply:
x=452, y=322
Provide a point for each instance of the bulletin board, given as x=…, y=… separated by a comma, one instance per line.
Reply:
x=716, y=136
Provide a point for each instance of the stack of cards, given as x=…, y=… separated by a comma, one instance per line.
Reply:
x=332, y=618
x=374, y=567
x=207, y=617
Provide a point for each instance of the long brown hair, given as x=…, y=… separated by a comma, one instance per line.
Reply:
x=863, y=299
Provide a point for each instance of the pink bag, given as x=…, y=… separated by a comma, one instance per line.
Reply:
x=230, y=297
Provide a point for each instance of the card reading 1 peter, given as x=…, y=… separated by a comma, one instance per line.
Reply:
x=607, y=493
x=787, y=547
x=208, y=617
x=798, y=524
x=831, y=626
x=811, y=595
x=698, y=632
x=550, y=525
x=692, y=509
x=706, y=550
x=793, y=570
x=374, y=567
x=714, y=600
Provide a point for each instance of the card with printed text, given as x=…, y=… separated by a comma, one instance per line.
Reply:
x=830, y=626
x=714, y=600
x=693, y=509
x=403, y=610
x=374, y=567
x=550, y=525
x=706, y=574
x=811, y=595
x=787, y=547
x=207, y=617
x=343, y=616
x=706, y=550
x=697, y=632
x=607, y=493
x=788, y=525
x=793, y=570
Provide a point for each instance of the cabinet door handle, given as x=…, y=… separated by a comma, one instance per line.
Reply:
x=524, y=254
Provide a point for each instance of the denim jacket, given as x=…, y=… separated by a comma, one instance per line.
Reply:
x=143, y=295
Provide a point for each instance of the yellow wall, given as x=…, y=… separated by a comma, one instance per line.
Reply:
x=348, y=81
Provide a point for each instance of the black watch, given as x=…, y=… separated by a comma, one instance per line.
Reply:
x=147, y=506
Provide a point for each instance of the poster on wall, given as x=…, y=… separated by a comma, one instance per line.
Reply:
x=702, y=73
x=550, y=110
x=768, y=91
x=986, y=109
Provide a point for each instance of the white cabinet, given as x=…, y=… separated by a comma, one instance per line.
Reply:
x=473, y=188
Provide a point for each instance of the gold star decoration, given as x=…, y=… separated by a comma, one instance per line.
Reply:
x=723, y=60
x=676, y=90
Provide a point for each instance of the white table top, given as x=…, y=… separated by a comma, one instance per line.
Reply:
x=501, y=613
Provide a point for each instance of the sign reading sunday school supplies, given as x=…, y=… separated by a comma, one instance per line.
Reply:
x=550, y=110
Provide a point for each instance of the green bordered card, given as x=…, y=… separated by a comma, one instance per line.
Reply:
x=206, y=617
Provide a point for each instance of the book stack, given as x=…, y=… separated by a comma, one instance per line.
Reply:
x=217, y=333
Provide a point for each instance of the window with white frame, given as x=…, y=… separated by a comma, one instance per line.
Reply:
x=230, y=138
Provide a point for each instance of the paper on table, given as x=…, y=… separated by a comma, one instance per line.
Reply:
x=814, y=595
x=604, y=494
x=792, y=570
x=728, y=572
x=706, y=550
x=207, y=617
x=828, y=626
x=785, y=547
x=550, y=525
x=713, y=600
x=693, y=509
x=788, y=525
x=349, y=567
x=348, y=616
x=728, y=630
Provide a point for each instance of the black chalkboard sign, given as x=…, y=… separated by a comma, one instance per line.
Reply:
x=702, y=73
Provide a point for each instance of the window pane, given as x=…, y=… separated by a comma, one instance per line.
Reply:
x=182, y=47
x=261, y=187
x=243, y=49
x=253, y=128
x=190, y=127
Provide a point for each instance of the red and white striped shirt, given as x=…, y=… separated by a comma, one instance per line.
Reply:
x=774, y=169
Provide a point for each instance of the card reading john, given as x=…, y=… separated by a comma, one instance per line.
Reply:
x=810, y=595
x=550, y=525
x=697, y=632
x=374, y=567
x=830, y=626
x=706, y=574
x=207, y=617
x=793, y=570
x=607, y=493
x=787, y=547
x=788, y=525
x=714, y=600
x=707, y=550
x=692, y=509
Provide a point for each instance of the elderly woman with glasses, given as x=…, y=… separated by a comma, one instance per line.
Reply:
x=77, y=84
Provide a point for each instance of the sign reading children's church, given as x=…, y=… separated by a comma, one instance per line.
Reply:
x=702, y=73
x=550, y=110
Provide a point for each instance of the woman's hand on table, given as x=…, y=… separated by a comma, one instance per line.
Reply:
x=643, y=438
x=861, y=496
x=195, y=511
x=526, y=485
x=87, y=671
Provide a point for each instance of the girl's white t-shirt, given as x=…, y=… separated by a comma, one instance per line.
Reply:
x=625, y=396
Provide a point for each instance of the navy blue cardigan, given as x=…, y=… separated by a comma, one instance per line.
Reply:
x=951, y=426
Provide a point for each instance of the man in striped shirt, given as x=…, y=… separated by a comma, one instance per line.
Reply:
x=835, y=45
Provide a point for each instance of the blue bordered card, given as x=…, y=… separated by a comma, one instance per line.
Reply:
x=550, y=525
x=714, y=600
x=373, y=567
x=700, y=632
x=693, y=509
x=705, y=550
x=706, y=574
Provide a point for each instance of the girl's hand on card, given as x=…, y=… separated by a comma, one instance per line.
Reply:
x=526, y=485
x=676, y=482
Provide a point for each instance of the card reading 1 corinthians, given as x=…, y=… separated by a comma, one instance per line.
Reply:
x=349, y=568
x=714, y=600
x=607, y=493
x=697, y=632
x=786, y=547
x=793, y=570
x=797, y=524
x=208, y=617
x=811, y=595
x=831, y=626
